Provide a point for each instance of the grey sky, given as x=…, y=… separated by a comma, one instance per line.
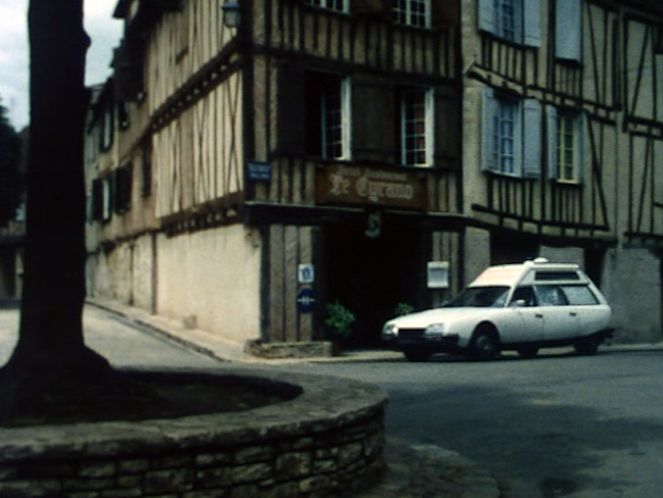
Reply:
x=102, y=28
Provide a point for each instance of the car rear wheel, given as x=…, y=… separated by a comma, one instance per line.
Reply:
x=587, y=345
x=485, y=344
x=416, y=355
x=528, y=351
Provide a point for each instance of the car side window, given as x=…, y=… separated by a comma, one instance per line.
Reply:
x=550, y=295
x=579, y=295
x=525, y=294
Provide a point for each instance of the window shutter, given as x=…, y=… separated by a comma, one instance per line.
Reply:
x=532, y=115
x=373, y=132
x=551, y=131
x=568, y=29
x=581, y=134
x=97, y=200
x=518, y=21
x=291, y=109
x=486, y=16
x=518, y=135
x=430, y=123
x=532, y=19
x=346, y=116
x=488, y=114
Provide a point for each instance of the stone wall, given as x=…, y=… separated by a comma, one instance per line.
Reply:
x=329, y=439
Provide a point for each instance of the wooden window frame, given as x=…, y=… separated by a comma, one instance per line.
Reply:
x=417, y=156
x=568, y=143
x=403, y=12
x=335, y=109
x=501, y=138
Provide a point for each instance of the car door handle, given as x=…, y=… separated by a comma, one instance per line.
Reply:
x=573, y=313
x=538, y=315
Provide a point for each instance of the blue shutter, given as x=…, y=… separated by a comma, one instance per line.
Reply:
x=532, y=20
x=581, y=133
x=486, y=16
x=568, y=29
x=532, y=115
x=518, y=21
x=489, y=111
x=551, y=113
x=518, y=141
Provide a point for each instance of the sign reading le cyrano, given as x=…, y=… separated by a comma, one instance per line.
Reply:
x=364, y=185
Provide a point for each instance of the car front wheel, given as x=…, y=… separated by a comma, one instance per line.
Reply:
x=485, y=344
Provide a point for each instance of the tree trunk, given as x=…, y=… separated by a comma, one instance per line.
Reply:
x=51, y=356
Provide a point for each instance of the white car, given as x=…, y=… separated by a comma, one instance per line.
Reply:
x=520, y=306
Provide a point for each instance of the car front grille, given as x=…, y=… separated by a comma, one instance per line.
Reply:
x=407, y=333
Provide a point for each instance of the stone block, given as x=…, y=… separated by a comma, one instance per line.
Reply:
x=85, y=494
x=30, y=489
x=349, y=453
x=46, y=469
x=245, y=491
x=209, y=459
x=251, y=454
x=130, y=481
x=103, y=469
x=291, y=465
x=173, y=462
x=316, y=483
x=87, y=484
x=216, y=477
x=326, y=452
x=210, y=493
x=253, y=472
x=325, y=466
x=167, y=481
x=137, y=466
x=122, y=493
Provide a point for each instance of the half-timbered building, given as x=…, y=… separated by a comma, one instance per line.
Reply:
x=563, y=121
x=309, y=155
x=373, y=153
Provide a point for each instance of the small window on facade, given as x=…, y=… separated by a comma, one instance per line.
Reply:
x=505, y=123
x=412, y=12
x=107, y=125
x=580, y=295
x=122, y=192
x=123, y=115
x=517, y=21
x=337, y=5
x=566, y=131
x=97, y=200
x=327, y=116
x=416, y=127
x=506, y=19
x=106, y=198
x=550, y=295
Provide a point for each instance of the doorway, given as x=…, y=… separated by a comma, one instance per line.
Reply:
x=372, y=276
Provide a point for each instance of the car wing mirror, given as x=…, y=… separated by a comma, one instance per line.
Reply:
x=518, y=303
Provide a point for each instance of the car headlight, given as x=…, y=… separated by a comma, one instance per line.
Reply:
x=435, y=329
x=389, y=331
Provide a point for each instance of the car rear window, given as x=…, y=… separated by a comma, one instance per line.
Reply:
x=579, y=295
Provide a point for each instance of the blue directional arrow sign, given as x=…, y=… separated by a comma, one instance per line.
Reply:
x=305, y=300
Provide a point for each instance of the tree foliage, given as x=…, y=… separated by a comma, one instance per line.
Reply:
x=10, y=183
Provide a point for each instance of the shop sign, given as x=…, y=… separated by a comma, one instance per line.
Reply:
x=259, y=171
x=367, y=185
x=438, y=274
x=305, y=274
x=305, y=300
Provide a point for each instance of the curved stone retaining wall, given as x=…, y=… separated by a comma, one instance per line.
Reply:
x=328, y=439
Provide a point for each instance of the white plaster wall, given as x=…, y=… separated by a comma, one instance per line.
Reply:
x=632, y=286
x=563, y=255
x=477, y=252
x=213, y=275
x=142, y=265
x=119, y=261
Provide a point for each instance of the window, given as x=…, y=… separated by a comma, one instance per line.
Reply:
x=579, y=295
x=511, y=135
x=568, y=30
x=556, y=275
x=146, y=168
x=481, y=297
x=504, y=150
x=412, y=12
x=517, y=21
x=106, y=198
x=122, y=180
x=525, y=294
x=416, y=127
x=328, y=116
x=107, y=125
x=338, y=5
x=566, y=132
x=550, y=295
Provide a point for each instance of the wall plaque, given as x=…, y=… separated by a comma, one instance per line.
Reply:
x=336, y=184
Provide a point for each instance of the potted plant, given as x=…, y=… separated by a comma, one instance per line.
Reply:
x=339, y=322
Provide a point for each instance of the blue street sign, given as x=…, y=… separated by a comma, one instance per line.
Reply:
x=259, y=171
x=305, y=300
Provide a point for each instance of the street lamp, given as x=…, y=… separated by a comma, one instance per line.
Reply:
x=231, y=13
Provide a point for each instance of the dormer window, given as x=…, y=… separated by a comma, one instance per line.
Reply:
x=412, y=13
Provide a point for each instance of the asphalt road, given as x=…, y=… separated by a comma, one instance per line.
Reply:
x=556, y=425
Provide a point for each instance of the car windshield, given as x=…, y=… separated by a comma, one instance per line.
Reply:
x=481, y=297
